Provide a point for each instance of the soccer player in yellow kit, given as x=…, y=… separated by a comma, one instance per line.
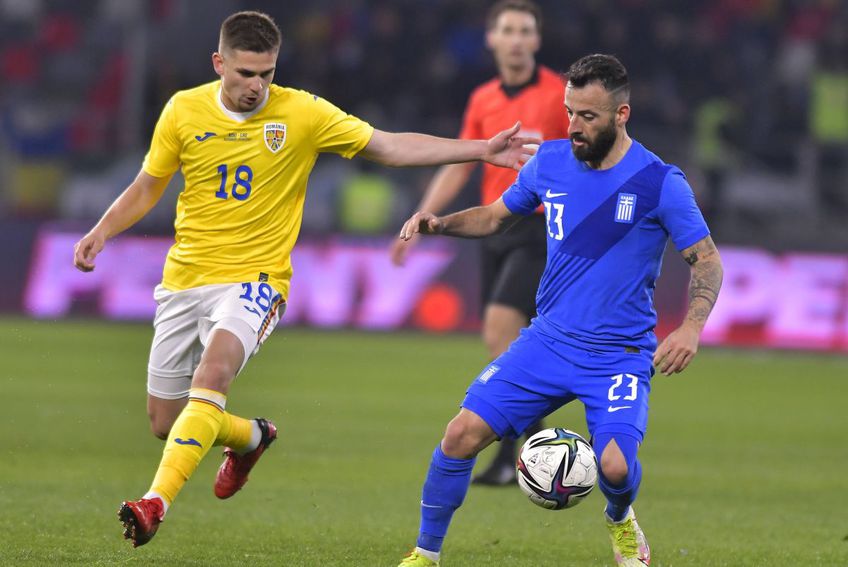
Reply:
x=246, y=148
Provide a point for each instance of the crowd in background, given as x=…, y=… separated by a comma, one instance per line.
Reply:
x=750, y=97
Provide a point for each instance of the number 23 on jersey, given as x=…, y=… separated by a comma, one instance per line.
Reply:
x=553, y=214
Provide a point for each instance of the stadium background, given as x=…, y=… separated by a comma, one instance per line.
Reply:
x=749, y=97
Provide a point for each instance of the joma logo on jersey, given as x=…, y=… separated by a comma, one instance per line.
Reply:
x=626, y=207
x=275, y=136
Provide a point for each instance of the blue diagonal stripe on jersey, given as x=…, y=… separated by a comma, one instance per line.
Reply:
x=599, y=232
x=555, y=267
x=566, y=270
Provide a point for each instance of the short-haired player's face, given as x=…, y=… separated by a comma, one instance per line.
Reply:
x=514, y=39
x=592, y=121
x=245, y=77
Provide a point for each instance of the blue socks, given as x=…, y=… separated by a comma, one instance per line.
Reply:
x=444, y=490
x=620, y=496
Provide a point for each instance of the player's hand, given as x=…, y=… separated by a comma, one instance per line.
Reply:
x=400, y=249
x=677, y=350
x=421, y=223
x=507, y=150
x=87, y=249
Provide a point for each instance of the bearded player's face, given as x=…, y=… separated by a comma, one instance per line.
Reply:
x=593, y=147
x=245, y=77
x=592, y=127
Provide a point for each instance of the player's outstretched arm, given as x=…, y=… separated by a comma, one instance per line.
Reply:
x=506, y=149
x=475, y=222
x=677, y=350
x=130, y=207
x=442, y=190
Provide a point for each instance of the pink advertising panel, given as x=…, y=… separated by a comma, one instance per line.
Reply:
x=788, y=300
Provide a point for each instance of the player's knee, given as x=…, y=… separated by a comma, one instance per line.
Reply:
x=213, y=375
x=614, y=468
x=163, y=412
x=617, y=456
x=460, y=440
x=160, y=425
x=159, y=432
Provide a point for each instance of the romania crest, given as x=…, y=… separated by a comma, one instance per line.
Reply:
x=275, y=136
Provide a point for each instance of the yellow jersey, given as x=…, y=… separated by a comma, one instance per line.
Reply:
x=245, y=180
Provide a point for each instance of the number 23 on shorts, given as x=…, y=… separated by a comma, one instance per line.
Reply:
x=625, y=388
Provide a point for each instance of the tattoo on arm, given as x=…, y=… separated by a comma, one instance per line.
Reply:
x=705, y=281
x=703, y=291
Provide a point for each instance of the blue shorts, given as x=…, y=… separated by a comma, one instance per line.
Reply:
x=540, y=374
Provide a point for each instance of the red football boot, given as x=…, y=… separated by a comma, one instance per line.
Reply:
x=233, y=472
x=141, y=519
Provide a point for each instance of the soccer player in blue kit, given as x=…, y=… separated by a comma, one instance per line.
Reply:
x=611, y=205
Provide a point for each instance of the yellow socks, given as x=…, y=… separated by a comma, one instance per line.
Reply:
x=194, y=432
x=235, y=433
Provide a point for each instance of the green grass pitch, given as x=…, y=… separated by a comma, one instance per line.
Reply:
x=746, y=458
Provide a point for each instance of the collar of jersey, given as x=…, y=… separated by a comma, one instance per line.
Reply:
x=512, y=91
x=243, y=116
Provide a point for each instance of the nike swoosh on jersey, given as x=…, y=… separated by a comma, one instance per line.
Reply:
x=612, y=409
x=550, y=195
x=205, y=136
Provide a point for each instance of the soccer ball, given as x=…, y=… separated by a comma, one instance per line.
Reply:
x=557, y=468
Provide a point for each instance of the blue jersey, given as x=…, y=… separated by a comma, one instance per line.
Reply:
x=607, y=230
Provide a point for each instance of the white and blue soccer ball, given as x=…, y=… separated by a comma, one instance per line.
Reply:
x=557, y=468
